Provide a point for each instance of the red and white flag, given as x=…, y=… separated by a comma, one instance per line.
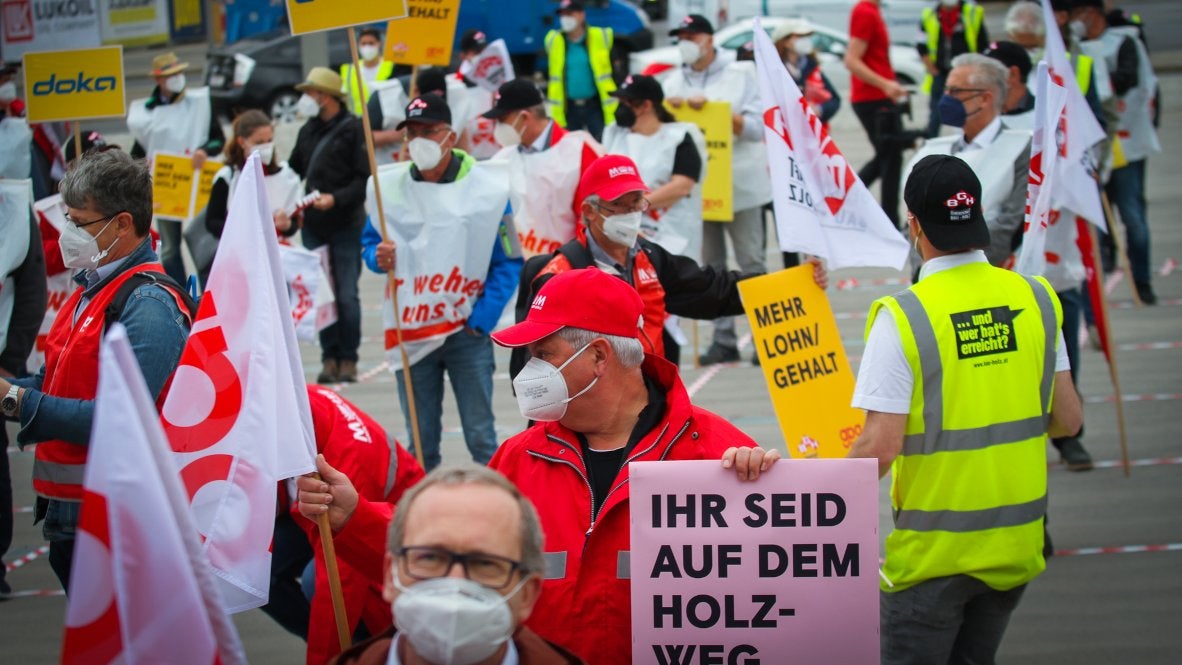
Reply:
x=822, y=208
x=237, y=413
x=141, y=588
x=1061, y=173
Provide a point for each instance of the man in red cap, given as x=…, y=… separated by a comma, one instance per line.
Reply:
x=612, y=203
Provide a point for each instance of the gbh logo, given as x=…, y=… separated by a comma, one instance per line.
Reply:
x=65, y=86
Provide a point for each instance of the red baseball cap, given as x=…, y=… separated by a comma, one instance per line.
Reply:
x=610, y=177
x=588, y=298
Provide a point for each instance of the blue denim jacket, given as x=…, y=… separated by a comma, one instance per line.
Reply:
x=157, y=330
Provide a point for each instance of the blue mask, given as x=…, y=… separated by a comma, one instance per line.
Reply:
x=951, y=111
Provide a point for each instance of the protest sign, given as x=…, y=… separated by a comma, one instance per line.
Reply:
x=783, y=569
x=491, y=68
x=176, y=193
x=808, y=375
x=426, y=35
x=134, y=22
x=25, y=28
x=74, y=85
x=714, y=119
x=315, y=15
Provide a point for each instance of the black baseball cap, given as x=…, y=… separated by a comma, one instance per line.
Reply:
x=432, y=81
x=1010, y=55
x=513, y=96
x=1079, y=4
x=694, y=23
x=945, y=196
x=7, y=68
x=1060, y=5
x=426, y=109
x=569, y=6
x=639, y=86
x=473, y=40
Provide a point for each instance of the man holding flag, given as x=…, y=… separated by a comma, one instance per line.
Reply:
x=108, y=196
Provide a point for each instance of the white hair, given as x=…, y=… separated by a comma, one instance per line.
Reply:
x=985, y=73
x=1025, y=18
x=628, y=350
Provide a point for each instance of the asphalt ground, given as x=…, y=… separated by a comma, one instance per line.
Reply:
x=1113, y=594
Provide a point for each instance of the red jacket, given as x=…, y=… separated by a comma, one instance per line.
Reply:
x=585, y=604
x=355, y=444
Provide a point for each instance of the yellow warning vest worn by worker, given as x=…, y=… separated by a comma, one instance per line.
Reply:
x=971, y=17
x=353, y=84
x=599, y=52
x=969, y=489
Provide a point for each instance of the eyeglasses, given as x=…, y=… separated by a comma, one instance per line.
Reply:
x=83, y=225
x=414, y=133
x=957, y=92
x=428, y=563
x=640, y=207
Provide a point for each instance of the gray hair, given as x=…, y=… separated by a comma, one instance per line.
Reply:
x=985, y=73
x=1025, y=18
x=629, y=350
x=532, y=561
x=111, y=182
x=539, y=110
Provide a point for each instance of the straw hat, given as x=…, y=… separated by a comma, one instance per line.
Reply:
x=322, y=79
x=167, y=65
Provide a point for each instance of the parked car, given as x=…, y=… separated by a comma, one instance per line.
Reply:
x=830, y=44
x=901, y=16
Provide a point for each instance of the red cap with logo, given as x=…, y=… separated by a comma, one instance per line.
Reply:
x=609, y=178
x=589, y=298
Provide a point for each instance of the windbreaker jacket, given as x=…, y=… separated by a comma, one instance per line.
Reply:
x=585, y=604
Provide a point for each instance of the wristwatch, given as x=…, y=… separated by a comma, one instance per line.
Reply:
x=10, y=405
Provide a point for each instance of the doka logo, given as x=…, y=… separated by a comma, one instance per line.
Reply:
x=66, y=86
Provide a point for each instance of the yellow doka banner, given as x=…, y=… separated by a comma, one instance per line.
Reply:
x=315, y=15
x=426, y=35
x=808, y=375
x=714, y=119
x=175, y=195
x=74, y=85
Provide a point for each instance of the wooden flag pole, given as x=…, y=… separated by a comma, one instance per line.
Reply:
x=1111, y=352
x=1114, y=232
x=334, y=581
x=77, y=141
x=391, y=283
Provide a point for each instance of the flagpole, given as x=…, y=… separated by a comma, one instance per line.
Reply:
x=1110, y=352
x=77, y=141
x=391, y=283
x=334, y=579
x=1113, y=232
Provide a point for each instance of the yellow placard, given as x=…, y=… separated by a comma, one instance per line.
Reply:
x=315, y=15
x=205, y=184
x=808, y=375
x=425, y=36
x=714, y=119
x=75, y=85
x=172, y=185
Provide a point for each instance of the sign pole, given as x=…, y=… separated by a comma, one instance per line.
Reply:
x=77, y=140
x=391, y=283
x=334, y=580
x=1111, y=355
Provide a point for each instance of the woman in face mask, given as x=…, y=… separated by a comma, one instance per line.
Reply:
x=671, y=159
x=253, y=133
x=794, y=41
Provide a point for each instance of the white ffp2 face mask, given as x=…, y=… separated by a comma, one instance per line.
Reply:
x=453, y=620
x=80, y=250
x=368, y=52
x=568, y=23
x=507, y=135
x=266, y=152
x=541, y=389
x=803, y=45
x=175, y=83
x=425, y=153
x=7, y=92
x=689, y=50
x=623, y=229
x=307, y=107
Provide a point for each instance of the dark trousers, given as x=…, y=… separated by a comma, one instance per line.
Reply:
x=957, y=620
x=938, y=81
x=1126, y=190
x=290, y=554
x=5, y=501
x=170, y=250
x=585, y=114
x=340, y=340
x=883, y=125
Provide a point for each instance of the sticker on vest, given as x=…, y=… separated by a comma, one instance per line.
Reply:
x=985, y=332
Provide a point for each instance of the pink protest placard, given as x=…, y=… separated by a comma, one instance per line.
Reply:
x=780, y=570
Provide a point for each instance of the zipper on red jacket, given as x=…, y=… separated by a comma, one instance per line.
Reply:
x=582, y=475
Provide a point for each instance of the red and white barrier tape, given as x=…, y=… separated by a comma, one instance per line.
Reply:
x=1117, y=464
x=37, y=593
x=26, y=559
x=851, y=283
x=1167, y=267
x=714, y=370
x=21, y=510
x=1127, y=549
x=1112, y=280
x=1128, y=304
x=1146, y=397
x=1149, y=346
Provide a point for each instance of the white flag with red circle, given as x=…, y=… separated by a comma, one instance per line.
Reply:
x=237, y=413
x=141, y=590
x=822, y=208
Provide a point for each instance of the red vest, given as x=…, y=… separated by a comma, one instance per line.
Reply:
x=647, y=284
x=72, y=371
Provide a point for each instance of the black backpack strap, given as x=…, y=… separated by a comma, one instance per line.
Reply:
x=115, y=309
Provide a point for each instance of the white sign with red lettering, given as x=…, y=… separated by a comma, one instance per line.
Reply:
x=444, y=235
x=822, y=208
x=308, y=291
x=51, y=218
x=490, y=68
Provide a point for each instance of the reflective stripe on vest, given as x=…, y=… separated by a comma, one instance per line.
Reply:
x=599, y=47
x=59, y=474
x=623, y=565
x=555, y=565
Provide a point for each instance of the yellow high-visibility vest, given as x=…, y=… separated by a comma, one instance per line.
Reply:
x=599, y=52
x=354, y=84
x=969, y=489
x=971, y=16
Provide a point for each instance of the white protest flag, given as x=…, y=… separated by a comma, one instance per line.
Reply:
x=822, y=207
x=1061, y=173
x=141, y=589
x=237, y=413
